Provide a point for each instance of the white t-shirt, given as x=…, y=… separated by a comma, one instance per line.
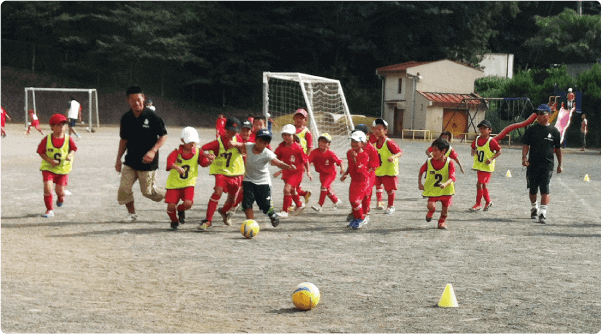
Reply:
x=257, y=165
x=73, y=110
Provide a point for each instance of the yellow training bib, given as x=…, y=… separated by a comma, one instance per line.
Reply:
x=227, y=162
x=436, y=177
x=303, y=141
x=483, y=153
x=57, y=153
x=386, y=168
x=188, y=179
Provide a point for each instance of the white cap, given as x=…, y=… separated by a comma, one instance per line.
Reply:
x=359, y=136
x=379, y=121
x=289, y=129
x=569, y=89
x=189, y=134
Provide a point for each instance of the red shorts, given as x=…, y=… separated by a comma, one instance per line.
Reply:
x=358, y=190
x=389, y=182
x=36, y=124
x=174, y=195
x=484, y=177
x=58, y=179
x=327, y=180
x=446, y=200
x=230, y=184
x=293, y=179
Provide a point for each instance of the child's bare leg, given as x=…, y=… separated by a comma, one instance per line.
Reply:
x=60, y=193
x=131, y=208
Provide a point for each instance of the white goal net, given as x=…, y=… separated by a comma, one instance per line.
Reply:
x=49, y=101
x=322, y=98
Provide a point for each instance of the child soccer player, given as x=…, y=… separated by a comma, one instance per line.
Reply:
x=325, y=161
x=306, y=142
x=440, y=178
x=258, y=124
x=292, y=153
x=182, y=165
x=57, y=151
x=245, y=133
x=451, y=153
x=228, y=168
x=35, y=122
x=3, y=117
x=358, y=162
x=485, y=150
x=220, y=126
x=257, y=181
x=387, y=173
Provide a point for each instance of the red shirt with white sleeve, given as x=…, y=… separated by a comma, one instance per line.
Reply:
x=324, y=162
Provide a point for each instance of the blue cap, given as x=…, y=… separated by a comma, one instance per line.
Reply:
x=362, y=128
x=264, y=133
x=544, y=107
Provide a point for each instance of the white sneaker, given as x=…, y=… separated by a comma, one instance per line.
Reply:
x=283, y=214
x=337, y=203
x=299, y=210
x=316, y=207
x=67, y=193
x=131, y=217
x=390, y=210
x=380, y=206
x=48, y=214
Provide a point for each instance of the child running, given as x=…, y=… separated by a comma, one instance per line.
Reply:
x=292, y=153
x=306, y=142
x=387, y=173
x=451, y=153
x=182, y=165
x=257, y=180
x=440, y=178
x=220, y=126
x=57, y=151
x=228, y=168
x=325, y=161
x=3, y=117
x=485, y=150
x=35, y=122
x=358, y=162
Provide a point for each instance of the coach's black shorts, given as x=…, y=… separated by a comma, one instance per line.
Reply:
x=72, y=122
x=261, y=193
x=538, y=179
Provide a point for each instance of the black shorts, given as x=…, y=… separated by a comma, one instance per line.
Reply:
x=260, y=193
x=538, y=179
x=72, y=122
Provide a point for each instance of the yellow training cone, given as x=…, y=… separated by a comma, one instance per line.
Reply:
x=508, y=173
x=448, y=297
x=586, y=178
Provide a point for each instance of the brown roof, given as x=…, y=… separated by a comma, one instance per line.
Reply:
x=402, y=68
x=451, y=99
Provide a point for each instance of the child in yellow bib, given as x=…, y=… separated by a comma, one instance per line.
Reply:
x=387, y=174
x=440, y=178
x=182, y=165
x=306, y=142
x=57, y=151
x=485, y=150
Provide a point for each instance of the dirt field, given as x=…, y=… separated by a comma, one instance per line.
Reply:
x=85, y=271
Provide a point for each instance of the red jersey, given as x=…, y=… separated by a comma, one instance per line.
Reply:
x=56, y=142
x=494, y=145
x=202, y=160
x=452, y=155
x=292, y=155
x=324, y=162
x=220, y=125
x=437, y=164
x=214, y=145
x=374, y=157
x=371, y=138
x=358, y=165
x=3, y=116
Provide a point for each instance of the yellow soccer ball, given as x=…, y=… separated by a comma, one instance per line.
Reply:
x=305, y=296
x=249, y=228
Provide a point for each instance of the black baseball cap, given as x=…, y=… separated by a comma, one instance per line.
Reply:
x=485, y=124
x=264, y=133
x=233, y=124
x=246, y=124
x=134, y=90
x=362, y=128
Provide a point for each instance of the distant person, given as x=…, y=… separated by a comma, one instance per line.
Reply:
x=541, y=141
x=584, y=131
x=142, y=134
x=57, y=151
x=251, y=118
x=74, y=114
x=220, y=126
x=571, y=97
x=148, y=103
x=35, y=122
x=3, y=117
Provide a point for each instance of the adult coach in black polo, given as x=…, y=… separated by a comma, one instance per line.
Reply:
x=142, y=134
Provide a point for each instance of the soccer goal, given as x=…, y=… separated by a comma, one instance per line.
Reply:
x=48, y=101
x=323, y=98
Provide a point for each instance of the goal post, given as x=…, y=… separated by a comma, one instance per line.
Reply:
x=322, y=98
x=93, y=121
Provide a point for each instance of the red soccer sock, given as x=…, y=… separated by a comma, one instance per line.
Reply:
x=322, y=197
x=227, y=206
x=297, y=201
x=287, y=202
x=181, y=207
x=486, y=195
x=60, y=199
x=300, y=192
x=479, y=193
x=212, y=207
x=173, y=216
x=365, y=205
x=442, y=219
x=379, y=192
x=48, y=202
x=391, y=197
x=430, y=213
x=358, y=212
x=333, y=197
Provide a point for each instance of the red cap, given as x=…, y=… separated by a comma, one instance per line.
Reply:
x=302, y=112
x=58, y=119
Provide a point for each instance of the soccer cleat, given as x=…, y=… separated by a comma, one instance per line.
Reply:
x=283, y=214
x=59, y=204
x=429, y=216
x=316, y=207
x=181, y=215
x=487, y=206
x=364, y=221
x=307, y=196
x=291, y=208
x=204, y=225
x=542, y=219
x=354, y=224
x=48, y=214
x=275, y=220
x=299, y=210
x=350, y=217
x=174, y=225
x=381, y=206
x=534, y=213
x=68, y=193
x=476, y=207
x=234, y=209
x=443, y=226
x=337, y=203
x=227, y=217
x=390, y=210
x=131, y=217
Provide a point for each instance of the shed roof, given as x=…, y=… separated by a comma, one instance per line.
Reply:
x=402, y=67
x=451, y=99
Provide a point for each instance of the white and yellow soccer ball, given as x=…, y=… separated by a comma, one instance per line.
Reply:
x=305, y=296
x=249, y=228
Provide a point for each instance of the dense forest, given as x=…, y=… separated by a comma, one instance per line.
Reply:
x=215, y=52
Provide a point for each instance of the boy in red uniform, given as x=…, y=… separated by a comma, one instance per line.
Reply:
x=325, y=161
x=451, y=153
x=358, y=162
x=374, y=162
x=228, y=168
x=220, y=126
x=292, y=153
x=35, y=122
x=306, y=142
x=485, y=150
x=182, y=165
x=245, y=133
x=440, y=180
x=387, y=174
x=258, y=124
x=3, y=117
x=57, y=151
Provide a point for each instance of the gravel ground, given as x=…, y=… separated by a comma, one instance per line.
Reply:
x=86, y=271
